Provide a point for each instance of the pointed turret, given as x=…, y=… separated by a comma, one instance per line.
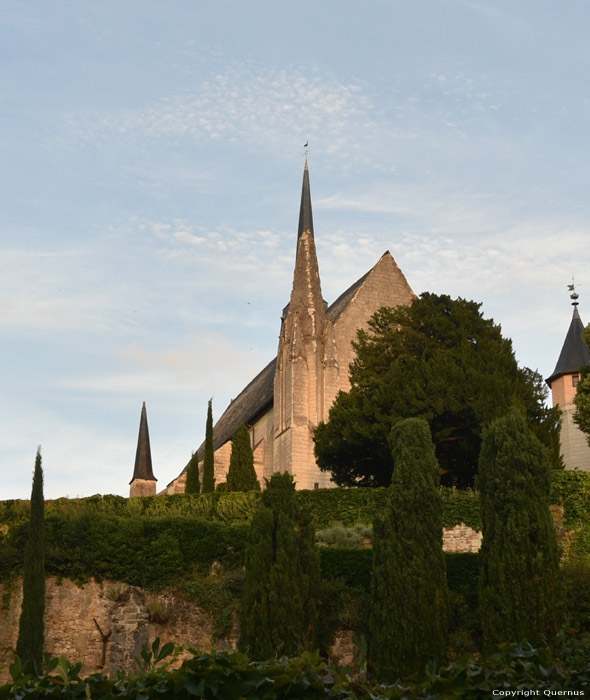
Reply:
x=143, y=482
x=574, y=353
x=563, y=382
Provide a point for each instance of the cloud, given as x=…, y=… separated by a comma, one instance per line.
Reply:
x=248, y=104
x=202, y=362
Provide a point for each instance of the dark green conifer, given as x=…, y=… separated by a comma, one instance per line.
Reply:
x=31, y=631
x=278, y=609
x=519, y=558
x=209, y=458
x=193, y=483
x=409, y=608
x=241, y=475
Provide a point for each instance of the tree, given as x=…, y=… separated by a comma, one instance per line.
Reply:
x=241, y=475
x=209, y=458
x=519, y=558
x=582, y=397
x=409, y=596
x=31, y=631
x=193, y=483
x=436, y=359
x=278, y=608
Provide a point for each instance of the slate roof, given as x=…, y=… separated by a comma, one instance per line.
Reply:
x=574, y=353
x=143, y=455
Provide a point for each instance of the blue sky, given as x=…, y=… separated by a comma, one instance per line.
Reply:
x=151, y=158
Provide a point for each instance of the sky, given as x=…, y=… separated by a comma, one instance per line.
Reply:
x=151, y=158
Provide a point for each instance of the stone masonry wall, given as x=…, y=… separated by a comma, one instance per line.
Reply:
x=128, y=617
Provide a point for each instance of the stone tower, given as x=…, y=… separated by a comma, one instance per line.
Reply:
x=563, y=382
x=143, y=482
x=302, y=361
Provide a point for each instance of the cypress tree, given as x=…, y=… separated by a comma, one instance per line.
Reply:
x=209, y=458
x=519, y=558
x=31, y=631
x=193, y=483
x=409, y=596
x=241, y=475
x=278, y=609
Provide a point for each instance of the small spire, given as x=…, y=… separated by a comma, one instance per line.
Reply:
x=143, y=456
x=305, y=215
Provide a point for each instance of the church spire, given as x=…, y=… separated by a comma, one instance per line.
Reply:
x=143, y=482
x=305, y=215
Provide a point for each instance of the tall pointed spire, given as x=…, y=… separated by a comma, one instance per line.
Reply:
x=143, y=461
x=305, y=215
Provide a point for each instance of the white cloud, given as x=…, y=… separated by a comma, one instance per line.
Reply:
x=247, y=103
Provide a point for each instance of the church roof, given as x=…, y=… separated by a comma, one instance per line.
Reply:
x=253, y=400
x=574, y=353
x=143, y=456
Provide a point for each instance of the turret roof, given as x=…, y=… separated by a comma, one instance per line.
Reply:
x=574, y=353
x=143, y=456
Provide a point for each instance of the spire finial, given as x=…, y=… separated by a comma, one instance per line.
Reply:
x=306, y=150
x=574, y=295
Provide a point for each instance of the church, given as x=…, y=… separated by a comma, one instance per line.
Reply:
x=284, y=403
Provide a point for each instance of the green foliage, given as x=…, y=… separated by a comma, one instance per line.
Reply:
x=518, y=668
x=519, y=556
x=209, y=458
x=241, y=475
x=576, y=584
x=582, y=402
x=193, y=482
x=352, y=566
x=345, y=536
x=440, y=360
x=31, y=630
x=409, y=606
x=278, y=612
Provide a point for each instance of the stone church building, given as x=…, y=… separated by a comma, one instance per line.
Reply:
x=284, y=403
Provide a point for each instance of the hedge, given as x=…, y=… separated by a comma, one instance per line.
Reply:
x=517, y=668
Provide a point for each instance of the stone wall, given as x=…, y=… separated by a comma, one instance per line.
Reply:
x=82, y=622
x=461, y=538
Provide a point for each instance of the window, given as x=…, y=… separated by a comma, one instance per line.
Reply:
x=575, y=379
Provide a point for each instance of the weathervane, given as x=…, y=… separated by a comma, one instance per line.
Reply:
x=306, y=148
x=574, y=295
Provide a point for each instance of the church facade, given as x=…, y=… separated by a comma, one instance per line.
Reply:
x=284, y=403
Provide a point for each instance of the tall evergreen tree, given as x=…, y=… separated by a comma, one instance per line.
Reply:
x=193, y=483
x=241, y=475
x=209, y=458
x=409, y=609
x=278, y=609
x=438, y=359
x=519, y=558
x=31, y=631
